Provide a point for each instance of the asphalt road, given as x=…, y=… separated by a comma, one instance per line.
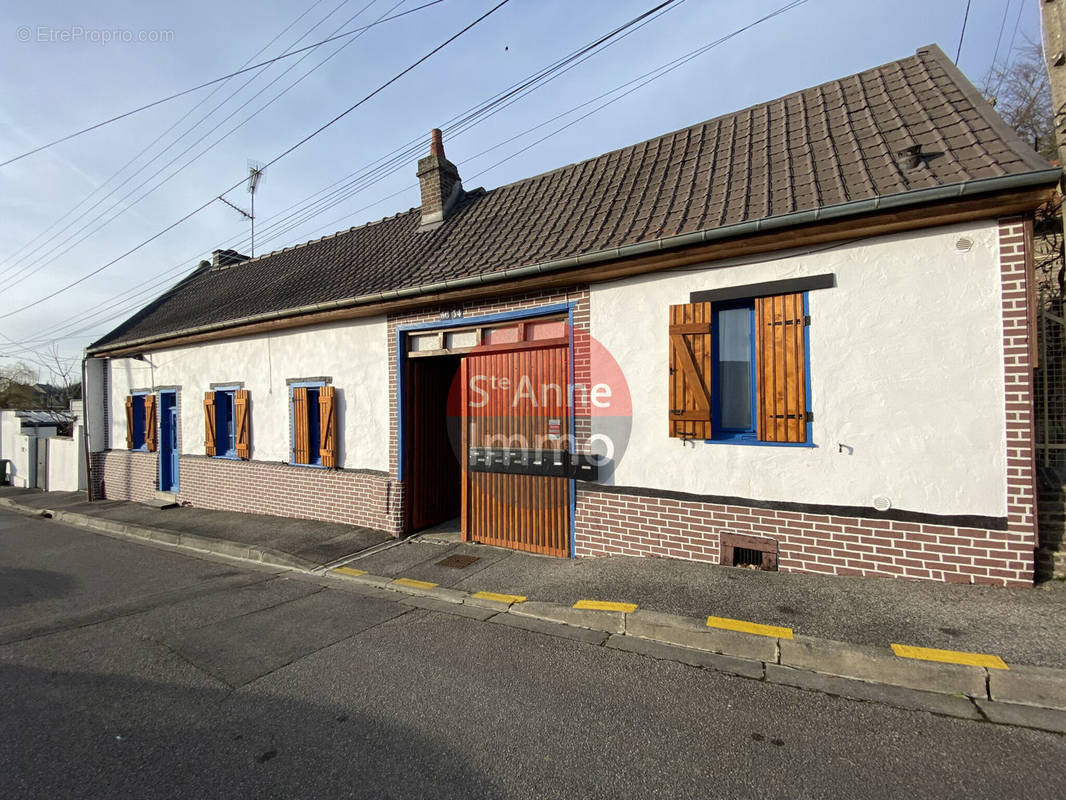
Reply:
x=128, y=670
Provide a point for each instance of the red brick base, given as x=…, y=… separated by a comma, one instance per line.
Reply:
x=351, y=497
x=609, y=523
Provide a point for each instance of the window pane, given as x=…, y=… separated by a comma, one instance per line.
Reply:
x=229, y=422
x=734, y=371
x=224, y=444
x=313, y=432
x=138, y=421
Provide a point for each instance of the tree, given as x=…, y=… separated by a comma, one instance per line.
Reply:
x=16, y=386
x=1021, y=93
x=62, y=372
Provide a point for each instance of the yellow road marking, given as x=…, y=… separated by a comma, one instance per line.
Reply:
x=415, y=584
x=350, y=571
x=604, y=605
x=743, y=626
x=500, y=598
x=949, y=656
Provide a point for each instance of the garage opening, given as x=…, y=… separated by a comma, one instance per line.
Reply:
x=486, y=432
x=434, y=473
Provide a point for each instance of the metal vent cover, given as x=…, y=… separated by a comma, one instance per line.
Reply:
x=745, y=550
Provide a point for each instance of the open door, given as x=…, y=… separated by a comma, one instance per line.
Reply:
x=432, y=462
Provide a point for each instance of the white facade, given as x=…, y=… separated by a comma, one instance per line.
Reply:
x=353, y=355
x=66, y=462
x=906, y=363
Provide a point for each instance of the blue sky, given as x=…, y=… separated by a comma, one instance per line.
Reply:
x=65, y=65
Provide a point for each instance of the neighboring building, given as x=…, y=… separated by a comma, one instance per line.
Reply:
x=798, y=336
x=42, y=449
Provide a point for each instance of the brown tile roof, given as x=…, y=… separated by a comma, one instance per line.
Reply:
x=824, y=146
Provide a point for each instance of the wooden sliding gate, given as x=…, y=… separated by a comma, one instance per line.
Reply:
x=516, y=439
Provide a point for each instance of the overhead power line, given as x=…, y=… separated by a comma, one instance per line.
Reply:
x=640, y=81
x=962, y=34
x=42, y=260
x=270, y=163
x=365, y=177
x=17, y=253
x=175, y=96
x=999, y=39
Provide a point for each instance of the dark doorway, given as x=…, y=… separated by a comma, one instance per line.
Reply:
x=433, y=470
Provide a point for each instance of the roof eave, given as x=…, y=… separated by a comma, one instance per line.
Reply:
x=910, y=199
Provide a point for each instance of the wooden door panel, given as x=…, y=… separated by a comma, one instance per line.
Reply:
x=516, y=400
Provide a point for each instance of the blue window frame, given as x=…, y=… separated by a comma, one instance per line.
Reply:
x=139, y=440
x=225, y=440
x=735, y=380
x=313, y=427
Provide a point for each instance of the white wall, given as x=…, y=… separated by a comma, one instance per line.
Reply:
x=906, y=364
x=353, y=354
x=66, y=462
x=93, y=394
x=17, y=446
x=13, y=446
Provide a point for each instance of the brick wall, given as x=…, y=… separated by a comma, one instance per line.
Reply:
x=124, y=475
x=611, y=523
x=352, y=497
x=632, y=525
x=1015, y=258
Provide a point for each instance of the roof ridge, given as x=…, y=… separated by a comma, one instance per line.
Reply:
x=322, y=238
x=709, y=181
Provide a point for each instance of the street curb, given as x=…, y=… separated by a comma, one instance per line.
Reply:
x=858, y=672
x=1024, y=696
x=191, y=541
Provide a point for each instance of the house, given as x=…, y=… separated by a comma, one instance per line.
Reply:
x=797, y=336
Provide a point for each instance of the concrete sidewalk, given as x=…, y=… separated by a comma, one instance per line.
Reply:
x=827, y=634
x=296, y=543
x=1022, y=626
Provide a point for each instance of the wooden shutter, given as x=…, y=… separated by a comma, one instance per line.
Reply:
x=327, y=425
x=301, y=449
x=209, y=423
x=129, y=422
x=781, y=368
x=242, y=423
x=690, y=371
x=149, y=423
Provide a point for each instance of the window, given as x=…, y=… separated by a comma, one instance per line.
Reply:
x=738, y=370
x=733, y=371
x=313, y=424
x=140, y=422
x=226, y=423
x=224, y=441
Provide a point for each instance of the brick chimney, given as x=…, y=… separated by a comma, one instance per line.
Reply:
x=439, y=180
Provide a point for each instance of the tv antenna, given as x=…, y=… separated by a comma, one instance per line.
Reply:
x=255, y=177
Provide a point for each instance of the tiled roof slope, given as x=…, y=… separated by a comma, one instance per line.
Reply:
x=823, y=146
